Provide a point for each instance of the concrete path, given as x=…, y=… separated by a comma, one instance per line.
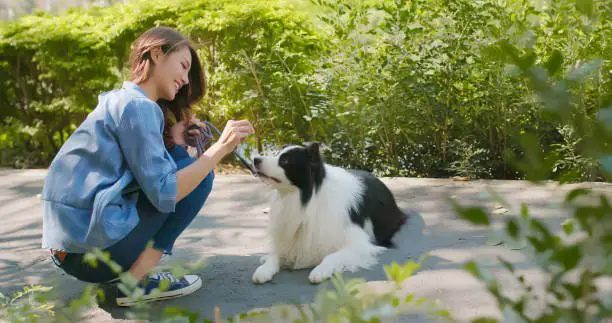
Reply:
x=230, y=234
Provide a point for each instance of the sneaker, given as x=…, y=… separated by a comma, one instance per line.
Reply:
x=177, y=288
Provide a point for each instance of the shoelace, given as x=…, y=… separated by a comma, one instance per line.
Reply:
x=164, y=276
x=208, y=137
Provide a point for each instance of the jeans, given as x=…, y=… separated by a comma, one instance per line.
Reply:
x=161, y=228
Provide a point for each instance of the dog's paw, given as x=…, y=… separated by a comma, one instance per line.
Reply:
x=321, y=273
x=264, y=273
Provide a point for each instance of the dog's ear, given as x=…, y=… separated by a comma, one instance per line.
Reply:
x=313, y=151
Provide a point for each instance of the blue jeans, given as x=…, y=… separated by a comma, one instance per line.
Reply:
x=161, y=228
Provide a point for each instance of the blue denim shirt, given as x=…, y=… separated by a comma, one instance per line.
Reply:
x=92, y=185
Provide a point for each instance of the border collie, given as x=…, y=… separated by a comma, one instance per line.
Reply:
x=322, y=216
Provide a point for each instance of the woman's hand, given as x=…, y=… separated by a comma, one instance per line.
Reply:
x=234, y=133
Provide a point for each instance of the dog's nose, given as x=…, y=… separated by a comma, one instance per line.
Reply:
x=257, y=161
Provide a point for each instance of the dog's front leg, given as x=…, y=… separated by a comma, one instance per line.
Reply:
x=341, y=260
x=269, y=267
x=358, y=253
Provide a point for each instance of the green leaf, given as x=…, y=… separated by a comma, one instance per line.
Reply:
x=101, y=296
x=568, y=226
x=420, y=301
x=474, y=214
x=554, y=62
x=520, y=305
x=542, y=231
x=164, y=284
x=443, y=313
x=91, y=260
x=575, y=193
x=395, y=302
x=574, y=290
x=399, y=273
x=537, y=244
x=409, y=298
x=524, y=211
x=569, y=256
x=513, y=228
x=585, y=7
x=473, y=268
x=506, y=264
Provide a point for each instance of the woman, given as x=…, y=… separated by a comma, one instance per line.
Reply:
x=124, y=178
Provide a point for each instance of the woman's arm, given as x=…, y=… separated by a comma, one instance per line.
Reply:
x=188, y=178
x=142, y=145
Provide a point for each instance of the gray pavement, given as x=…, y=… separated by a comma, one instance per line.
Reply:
x=229, y=233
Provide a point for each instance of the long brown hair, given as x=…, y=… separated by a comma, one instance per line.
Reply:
x=168, y=40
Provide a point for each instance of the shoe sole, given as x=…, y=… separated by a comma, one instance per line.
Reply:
x=125, y=301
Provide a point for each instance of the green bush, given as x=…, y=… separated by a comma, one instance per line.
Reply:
x=402, y=87
x=346, y=300
x=495, y=89
x=575, y=257
x=54, y=67
x=417, y=88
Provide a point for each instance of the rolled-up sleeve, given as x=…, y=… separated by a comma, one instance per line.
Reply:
x=142, y=144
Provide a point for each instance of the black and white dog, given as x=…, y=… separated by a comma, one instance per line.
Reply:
x=323, y=216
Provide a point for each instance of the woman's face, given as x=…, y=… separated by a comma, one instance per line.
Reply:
x=171, y=72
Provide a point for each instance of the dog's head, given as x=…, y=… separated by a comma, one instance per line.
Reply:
x=294, y=167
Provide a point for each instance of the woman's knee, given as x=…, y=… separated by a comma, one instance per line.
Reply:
x=204, y=188
x=179, y=153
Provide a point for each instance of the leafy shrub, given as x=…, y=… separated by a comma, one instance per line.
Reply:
x=575, y=258
x=54, y=67
x=345, y=300
x=389, y=86
x=550, y=107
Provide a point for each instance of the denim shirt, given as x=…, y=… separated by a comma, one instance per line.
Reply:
x=92, y=185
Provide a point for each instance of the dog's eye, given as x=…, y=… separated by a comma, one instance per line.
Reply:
x=283, y=161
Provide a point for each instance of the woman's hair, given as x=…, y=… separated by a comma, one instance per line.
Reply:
x=169, y=40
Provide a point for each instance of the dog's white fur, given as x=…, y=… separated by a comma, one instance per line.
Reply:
x=320, y=234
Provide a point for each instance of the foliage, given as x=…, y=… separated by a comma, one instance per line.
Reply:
x=398, y=87
x=52, y=68
x=348, y=299
x=575, y=257
x=27, y=304
x=418, y=82
x=526, y=84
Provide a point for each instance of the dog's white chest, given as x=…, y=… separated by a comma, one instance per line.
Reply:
x=303, y=236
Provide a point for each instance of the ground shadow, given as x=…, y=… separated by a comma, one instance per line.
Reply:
x=227, y=281
x=230, y=230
